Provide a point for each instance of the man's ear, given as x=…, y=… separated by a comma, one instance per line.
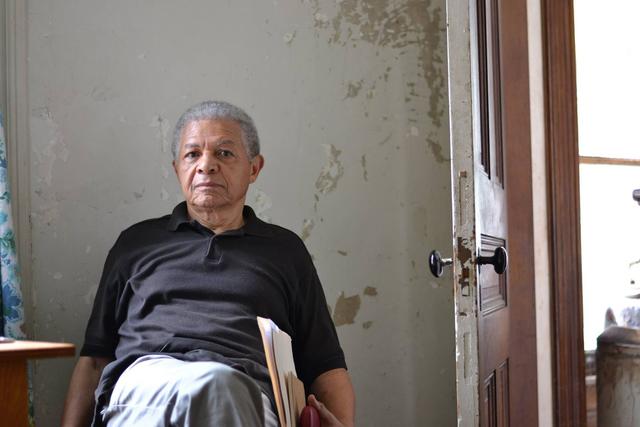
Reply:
x=257, y=163
x=175, y=167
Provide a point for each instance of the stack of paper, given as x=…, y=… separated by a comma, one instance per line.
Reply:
x=287, y=388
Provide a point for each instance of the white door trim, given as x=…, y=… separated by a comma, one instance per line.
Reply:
x=461, y=109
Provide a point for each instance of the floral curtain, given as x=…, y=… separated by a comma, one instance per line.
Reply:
x=11, y=311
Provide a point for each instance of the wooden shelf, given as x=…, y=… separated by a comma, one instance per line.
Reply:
x=13, y=376
x=35, y=350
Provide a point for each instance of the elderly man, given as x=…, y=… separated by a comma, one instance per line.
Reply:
x=172, y=338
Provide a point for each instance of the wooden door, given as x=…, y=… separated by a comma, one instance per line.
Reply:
x=495, y=313
x=493, y=287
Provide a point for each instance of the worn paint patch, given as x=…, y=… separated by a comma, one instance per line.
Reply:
x=90, y=295
x=367, y=324
x=464, y=254
x=363, y=162
x=346, y=310
x=332, y=170
x=370, y=291
x=48, y=210
x=410, y=27
x=288, y=37
x=353, y=89
x=436, y=150
x=44, y=158
x=262, y=205
x=163, y=129
x=103, y=94
x=386, y=139
x=321, y=20
x=307, y=227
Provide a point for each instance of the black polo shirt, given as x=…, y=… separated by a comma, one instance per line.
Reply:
x=172, y=286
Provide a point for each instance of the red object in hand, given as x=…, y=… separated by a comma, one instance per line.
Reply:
x=309, y=417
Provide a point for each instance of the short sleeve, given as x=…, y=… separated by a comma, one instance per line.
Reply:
x=315, y=343
x=101, y=335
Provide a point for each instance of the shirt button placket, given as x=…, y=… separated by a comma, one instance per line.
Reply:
x=214, y=253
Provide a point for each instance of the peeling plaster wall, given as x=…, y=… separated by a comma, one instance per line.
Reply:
x=350, y=100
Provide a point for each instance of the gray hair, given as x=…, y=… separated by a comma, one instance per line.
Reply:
x=212, y=110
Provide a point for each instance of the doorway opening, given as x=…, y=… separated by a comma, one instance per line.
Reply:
x=607, y=66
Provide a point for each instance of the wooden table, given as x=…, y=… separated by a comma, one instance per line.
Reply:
x=13, y=376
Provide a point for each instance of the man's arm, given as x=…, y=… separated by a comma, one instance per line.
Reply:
x=79, y=404
x=335, y=398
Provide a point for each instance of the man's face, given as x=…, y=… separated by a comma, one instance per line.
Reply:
x=212, y=166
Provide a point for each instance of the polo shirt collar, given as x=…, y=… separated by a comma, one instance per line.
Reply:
x=252, y=224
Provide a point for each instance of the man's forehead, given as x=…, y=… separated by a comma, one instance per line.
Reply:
x=197, y=142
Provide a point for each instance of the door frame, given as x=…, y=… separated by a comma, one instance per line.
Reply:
x=561, y=140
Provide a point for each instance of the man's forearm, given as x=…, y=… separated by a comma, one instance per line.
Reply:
x=334, y=389
x=79, y=404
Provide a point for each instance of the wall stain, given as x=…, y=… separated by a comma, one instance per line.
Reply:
x=307, y=227
x=346, y=310
x=163, y=130
x=165, y=172
x=90, y=295
x=436, y=150
x=55, y=148
x=343, y=253
x=370, y=291
x=288, y=37
x=353, y=89
x=138, y=195
x=331, y=172
x=367, y=324
x=413, y=27
x=262, y=203
x=363, y=162
x=102, y=94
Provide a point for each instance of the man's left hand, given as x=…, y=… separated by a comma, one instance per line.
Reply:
x=327, y=419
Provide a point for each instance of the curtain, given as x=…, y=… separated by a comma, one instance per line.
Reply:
x=11, y=311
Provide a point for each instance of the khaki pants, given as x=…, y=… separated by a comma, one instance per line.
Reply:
x=158, y=390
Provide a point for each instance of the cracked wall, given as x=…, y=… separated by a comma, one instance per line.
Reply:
x=350, y=100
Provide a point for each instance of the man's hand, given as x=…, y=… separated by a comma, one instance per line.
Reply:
x=327, y=419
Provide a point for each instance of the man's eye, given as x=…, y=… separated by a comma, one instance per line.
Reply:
x=225, y=154
x=191, y=155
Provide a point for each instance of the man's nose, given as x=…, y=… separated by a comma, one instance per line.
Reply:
x=208, y=164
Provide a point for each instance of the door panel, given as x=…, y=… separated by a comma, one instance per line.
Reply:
x=493, y=307
x=492, y=208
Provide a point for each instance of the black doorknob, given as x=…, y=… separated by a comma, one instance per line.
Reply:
x=499, y=260
x=437, y=263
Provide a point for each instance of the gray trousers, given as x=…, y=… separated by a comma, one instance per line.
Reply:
x=158, y=391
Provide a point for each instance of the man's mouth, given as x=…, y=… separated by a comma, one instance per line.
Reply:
x=205, y=185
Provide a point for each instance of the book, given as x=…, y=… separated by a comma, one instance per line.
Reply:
x=288, y=390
